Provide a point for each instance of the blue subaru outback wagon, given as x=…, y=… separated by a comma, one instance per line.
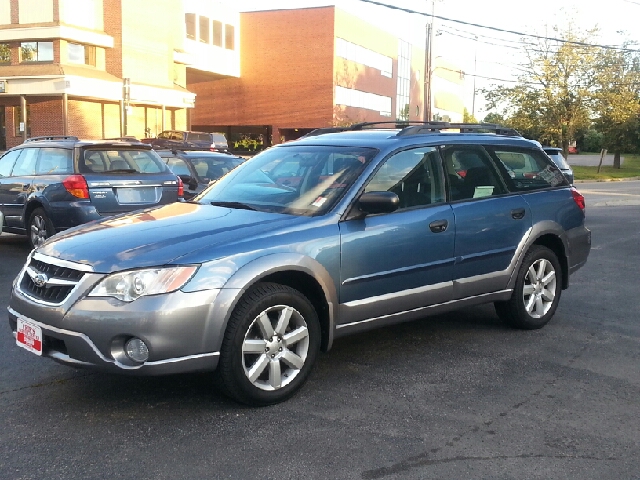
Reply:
x=341, y=231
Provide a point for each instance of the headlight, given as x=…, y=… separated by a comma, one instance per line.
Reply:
x=127, y=286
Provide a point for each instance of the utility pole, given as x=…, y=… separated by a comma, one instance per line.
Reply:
x=428, y=68
x=475, y=71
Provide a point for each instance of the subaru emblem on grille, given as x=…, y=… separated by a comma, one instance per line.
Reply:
x=40, y=280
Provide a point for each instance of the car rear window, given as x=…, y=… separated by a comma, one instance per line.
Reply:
x=121, y=161
x=199, y=137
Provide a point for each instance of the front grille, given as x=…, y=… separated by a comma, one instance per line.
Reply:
x=60, y=281
x=56, y=271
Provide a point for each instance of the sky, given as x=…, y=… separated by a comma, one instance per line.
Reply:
x=493, y=58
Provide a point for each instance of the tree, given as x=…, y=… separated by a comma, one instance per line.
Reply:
x=494, y=118
x=617, y=101
x=467, y=117
x=551, y=99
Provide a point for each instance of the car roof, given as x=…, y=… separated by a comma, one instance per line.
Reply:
x=382, y=138
x=71, y=142
x=197, y=153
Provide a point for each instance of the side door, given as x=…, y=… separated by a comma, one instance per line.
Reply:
x=490, y=221
x=16, y=189
x=403, y=260
x=7, y=161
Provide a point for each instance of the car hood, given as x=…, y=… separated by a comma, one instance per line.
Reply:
x=158, y=236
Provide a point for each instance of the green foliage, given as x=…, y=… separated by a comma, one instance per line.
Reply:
x=566, y=91
x=468, y=118
x=591, y=141
x=494, y=118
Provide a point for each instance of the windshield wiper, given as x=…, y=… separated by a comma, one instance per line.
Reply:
x=239, y=205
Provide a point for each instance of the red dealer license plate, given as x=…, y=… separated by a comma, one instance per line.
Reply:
x=29, y=337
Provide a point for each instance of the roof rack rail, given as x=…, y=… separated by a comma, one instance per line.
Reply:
x=431, y=127
x=51, y=137
x=124, y=139
x=356, y=127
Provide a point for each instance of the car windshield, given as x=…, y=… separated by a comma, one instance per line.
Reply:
x=211, y=168
x=558, y=159
x=219, y=138
x=121, y=161
x=295, y=180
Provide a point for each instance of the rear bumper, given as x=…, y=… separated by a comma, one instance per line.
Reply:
x=579, y=240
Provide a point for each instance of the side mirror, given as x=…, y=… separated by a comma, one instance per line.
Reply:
x=378, y=202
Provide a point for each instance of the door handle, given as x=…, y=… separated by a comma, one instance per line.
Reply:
x=438, y=226
x=517, y=213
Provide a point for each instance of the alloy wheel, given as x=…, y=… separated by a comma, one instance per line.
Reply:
x=539, y=288
x=275, y=347
x=39, y=231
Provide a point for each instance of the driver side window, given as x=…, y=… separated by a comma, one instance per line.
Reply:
x=414, y=175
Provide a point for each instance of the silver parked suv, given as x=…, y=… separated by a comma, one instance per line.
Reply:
x=308, y=241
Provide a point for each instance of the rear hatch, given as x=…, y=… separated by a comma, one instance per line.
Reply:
x=122, y=178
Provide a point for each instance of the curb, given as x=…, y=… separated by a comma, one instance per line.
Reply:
x=607, y=180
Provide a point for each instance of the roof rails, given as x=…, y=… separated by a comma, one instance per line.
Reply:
x=431, y=127
x=419, y=128
x=124, y=139
x=51, y=137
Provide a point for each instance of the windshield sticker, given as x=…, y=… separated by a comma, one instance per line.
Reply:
x=319, y=202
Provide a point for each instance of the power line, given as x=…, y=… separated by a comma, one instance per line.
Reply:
x=540, y=37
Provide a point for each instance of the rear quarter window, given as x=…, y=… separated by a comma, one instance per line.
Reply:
x=54, y=161
x=525, y=170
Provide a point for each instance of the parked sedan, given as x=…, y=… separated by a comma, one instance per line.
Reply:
x=556, y=155
x=197, y=169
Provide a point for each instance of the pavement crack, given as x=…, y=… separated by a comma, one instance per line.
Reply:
x=45, y=384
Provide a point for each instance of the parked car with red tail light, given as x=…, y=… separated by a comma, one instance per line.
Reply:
x=49, y=184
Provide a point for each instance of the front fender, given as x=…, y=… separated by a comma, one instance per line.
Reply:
x=252, y=272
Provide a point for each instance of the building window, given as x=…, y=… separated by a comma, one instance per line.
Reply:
x=190, y=23
x=5, y=53
x=204, y=29
x=357, y=98
x=83, y=54
x=17, y=121
x=36, y=52
x=364, y=56
x=404, y=81
x=229, y=37
x=217, y=33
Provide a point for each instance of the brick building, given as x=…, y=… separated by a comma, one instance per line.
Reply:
x=308, y=68
x=108, y=68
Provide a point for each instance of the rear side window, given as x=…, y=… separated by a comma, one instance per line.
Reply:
x=527, y=169
x=7, y=162
x=26, y=164
x=471, y=173
x=178, y=166
x=121, y=161
x=54, y=161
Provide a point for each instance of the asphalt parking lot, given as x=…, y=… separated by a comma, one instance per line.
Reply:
x=453, y=396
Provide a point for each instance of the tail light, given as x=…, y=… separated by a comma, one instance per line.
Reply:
x=578, y=198
x=180, y=188
x=77, y=186
x=212, y=147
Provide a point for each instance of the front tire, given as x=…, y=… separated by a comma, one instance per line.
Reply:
x=537, y=291
x=39, y=228
x=270, y=345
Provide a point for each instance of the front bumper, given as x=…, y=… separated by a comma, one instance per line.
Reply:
x=180, y=330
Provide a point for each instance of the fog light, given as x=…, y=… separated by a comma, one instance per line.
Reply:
x=136, y=350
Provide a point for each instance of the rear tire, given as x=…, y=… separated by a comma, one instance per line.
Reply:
x=537, y=291
x=270, y=345
x=39, y=228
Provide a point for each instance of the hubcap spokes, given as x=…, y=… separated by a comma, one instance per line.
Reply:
x=275, y=347
x=539, y=288
x=38, y=231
